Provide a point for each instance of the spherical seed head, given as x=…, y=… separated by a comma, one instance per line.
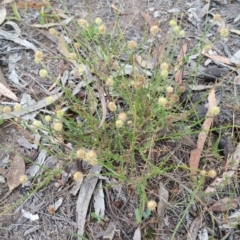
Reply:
x=214, y=111
x=212, y=173
x=58, y=126
x=207, y=48
x=172, y=23
x=162, y=101
x=164, y=66
x=151, y=205
x=83, y=23
x=182, y=33
x=176, y=29
x=102, y=29
x=72, y=56
x=122, y=116
x=109, y=82
x=224, y=32
x=169, y=119
x=49, y=99
x=77, y=45
x=77, y=176
x=203, y=173
x=112, y=106
x=51, y=209
x=119, y=123
x=81, y=153
x=182, y=89
x=132, y=44
x=39, y=55
x=164, y=73
x=53, y=32
x=23, y=179
x=217, y=17
x=98, y=21
x=43, y=73
x=37, y=123
x=17, y=107
x=48, y=118
x=60, y=113
x=90, y=155
x=154, y=29
x=169, y=89
x=7, y=109
x=137, y=85
x=168, y=105
x=174, y=98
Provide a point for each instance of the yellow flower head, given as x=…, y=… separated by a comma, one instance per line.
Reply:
x=207, y=48
x=169, y=89
x=72, y=56
x=224, y=32
x=112, y=106
x=77, y=45
x=217, y=17
x=58, y=126
x=132, y=44
x=164, y=73
x=151, y=205
x=48, y=118
x=119, y=123
x=176, y=29
x=98, y=21
x=214, y=111
x=23, y=179
x=102, y=29
x=162, y=101
x=49, y=99
x=122, y=116
x=212, y=173
x=37, y=123
x=91, y=156
x=43, y=73
x=83, y=23
x=39, y=54
x=77, y=176
x=154, y=29
x=17, y=107
x=172, y=23
x=182, y=33
x=109, y=82
x=7, y=109
x=60, y=113
x=53, y=32
x=81, y=153
x=164, y=66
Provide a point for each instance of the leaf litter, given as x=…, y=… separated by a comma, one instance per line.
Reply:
x=123, y=69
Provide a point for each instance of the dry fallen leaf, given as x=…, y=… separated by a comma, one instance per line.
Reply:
x=3, y=14
x=7, y=92
x=218, y=58
x=137, y=234
x=30, y=4
x=3, y=80
x=225, y=204
x=146, y=64
x=196, y=153
x=179, y=67
x=16, y=170
x=162, y=204
x=195, y=226
x=6, y=2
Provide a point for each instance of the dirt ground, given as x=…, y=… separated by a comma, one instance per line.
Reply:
x=121, y=200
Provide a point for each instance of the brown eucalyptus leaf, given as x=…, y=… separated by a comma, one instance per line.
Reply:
x=7, y=92
x=16, y=170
